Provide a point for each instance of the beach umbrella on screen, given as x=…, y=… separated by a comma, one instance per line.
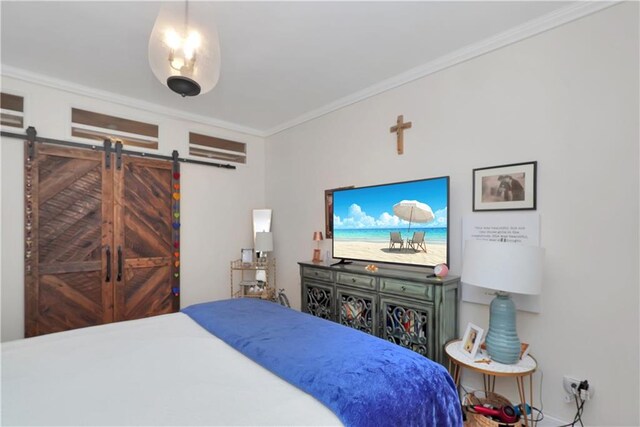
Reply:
x=413, y=211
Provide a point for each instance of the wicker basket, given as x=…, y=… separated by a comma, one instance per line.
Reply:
x=479, y=420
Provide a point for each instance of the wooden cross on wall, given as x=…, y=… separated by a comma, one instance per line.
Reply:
x=399, y=130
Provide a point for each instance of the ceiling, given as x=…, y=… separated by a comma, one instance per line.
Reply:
x=282, y=62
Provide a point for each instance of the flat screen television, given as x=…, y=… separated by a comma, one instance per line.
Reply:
x=402, y=223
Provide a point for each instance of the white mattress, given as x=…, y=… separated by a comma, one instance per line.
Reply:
x=164, y=370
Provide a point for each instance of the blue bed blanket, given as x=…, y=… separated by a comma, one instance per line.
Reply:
x=364, y=380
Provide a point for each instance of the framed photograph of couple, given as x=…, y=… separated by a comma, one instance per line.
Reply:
x=505, y=187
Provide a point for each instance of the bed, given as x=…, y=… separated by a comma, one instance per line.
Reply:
x=234, y=362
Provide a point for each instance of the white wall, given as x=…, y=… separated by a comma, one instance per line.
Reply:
x=567, y=98
x=216, y=204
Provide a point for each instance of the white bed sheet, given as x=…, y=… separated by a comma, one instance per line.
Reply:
x=164, y=370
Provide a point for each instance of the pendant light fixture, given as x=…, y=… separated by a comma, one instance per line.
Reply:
x=184, y=50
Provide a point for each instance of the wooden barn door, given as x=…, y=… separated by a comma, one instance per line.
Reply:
x=68, y=237
x=99, y=238
x=143, y=239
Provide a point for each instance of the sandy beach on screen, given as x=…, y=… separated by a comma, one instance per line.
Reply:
x=379, y=251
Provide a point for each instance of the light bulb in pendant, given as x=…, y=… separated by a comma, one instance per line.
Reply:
x=193, y=41
x=176, y=63
x=172, y=39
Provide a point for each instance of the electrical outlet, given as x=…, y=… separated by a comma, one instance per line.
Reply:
x=572, y=387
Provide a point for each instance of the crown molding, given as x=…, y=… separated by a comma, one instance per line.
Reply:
x=529, y=29
x=76, y=89
x=514, y=35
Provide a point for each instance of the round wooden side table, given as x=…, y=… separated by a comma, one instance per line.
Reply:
x=520, y=371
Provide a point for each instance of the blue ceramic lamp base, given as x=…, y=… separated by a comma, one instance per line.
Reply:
x=503, y=344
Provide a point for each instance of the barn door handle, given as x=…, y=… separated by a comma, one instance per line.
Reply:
x=108, y=278
x=119, y=278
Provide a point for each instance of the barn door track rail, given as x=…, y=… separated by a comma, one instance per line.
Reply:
x=32, y=136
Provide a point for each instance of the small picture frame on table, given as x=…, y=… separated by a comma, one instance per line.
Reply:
x=505, y=187
x=246, y=256
x=471, y=340
x=524, y=350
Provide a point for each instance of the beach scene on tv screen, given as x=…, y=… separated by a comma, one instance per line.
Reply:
x=397, y=223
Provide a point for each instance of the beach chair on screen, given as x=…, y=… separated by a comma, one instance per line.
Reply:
x=395, y=239
x=417, y=241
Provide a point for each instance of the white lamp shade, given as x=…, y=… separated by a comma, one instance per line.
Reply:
x=206, y=69
x=507, y=267
x=264, y=241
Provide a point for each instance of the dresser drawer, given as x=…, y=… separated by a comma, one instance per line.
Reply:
x=365, y=282
x=409, y=289
x=318, y=274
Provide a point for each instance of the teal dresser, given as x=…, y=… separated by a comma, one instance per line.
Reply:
x=404, y=307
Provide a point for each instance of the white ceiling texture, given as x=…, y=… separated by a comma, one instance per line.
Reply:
x=282, y=62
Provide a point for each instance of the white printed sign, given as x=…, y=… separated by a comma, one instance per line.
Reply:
x=522, y=228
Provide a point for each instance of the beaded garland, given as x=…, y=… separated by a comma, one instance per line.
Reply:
x=175, y=289
x=28, y=236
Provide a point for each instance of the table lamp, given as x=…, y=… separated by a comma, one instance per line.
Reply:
x=317, y=237
x=264, y=243
x=507, y=268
